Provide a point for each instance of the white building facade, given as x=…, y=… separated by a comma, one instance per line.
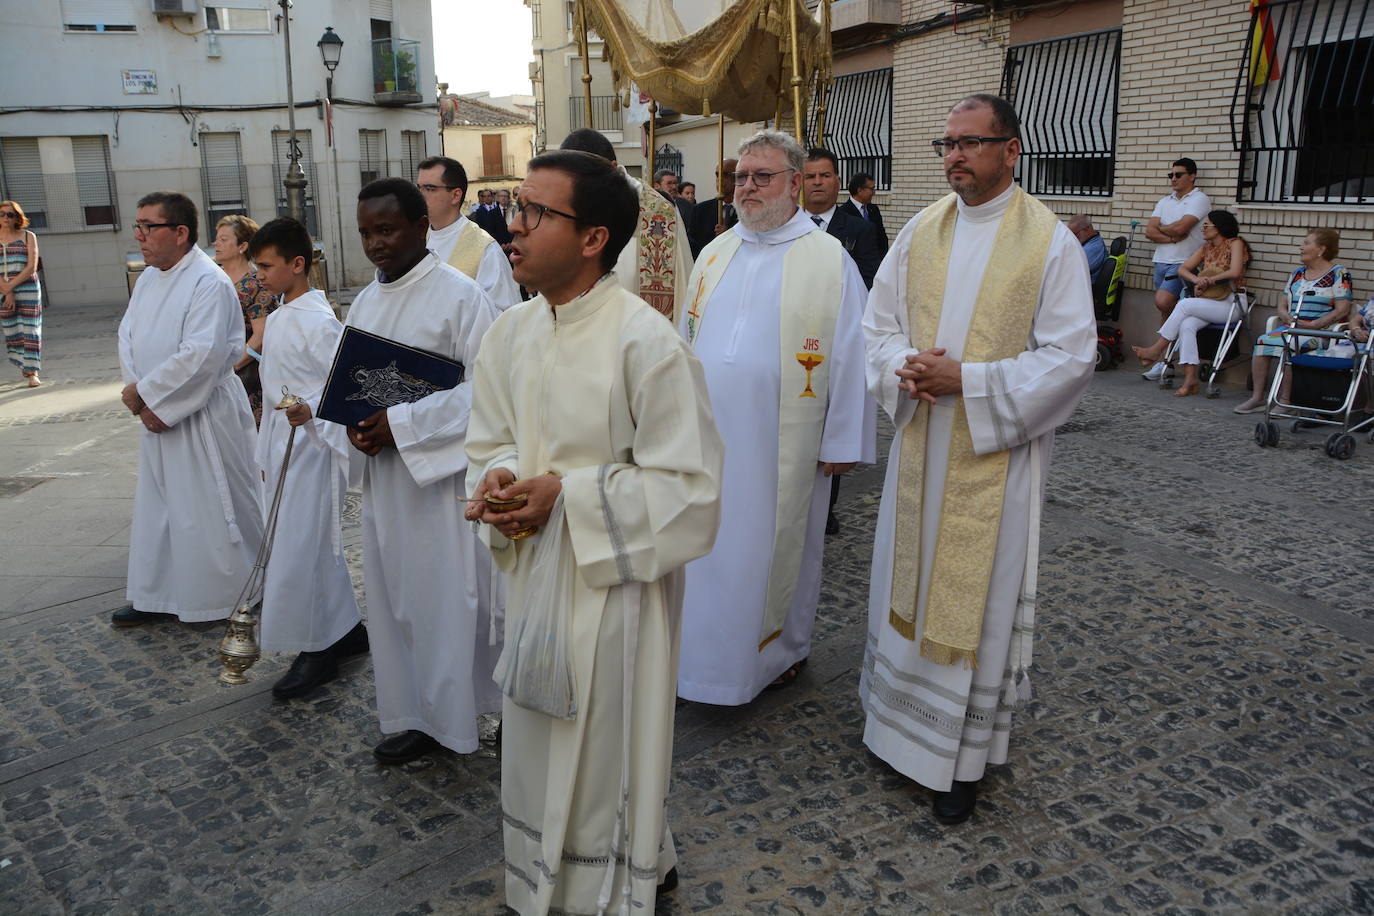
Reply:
x=129, y=99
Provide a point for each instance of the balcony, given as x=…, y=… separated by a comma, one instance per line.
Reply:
x=395, y=65
x=604, y=114
x=847, y=16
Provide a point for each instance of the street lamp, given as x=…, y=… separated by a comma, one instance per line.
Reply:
x=295, y=181
x=331, y=50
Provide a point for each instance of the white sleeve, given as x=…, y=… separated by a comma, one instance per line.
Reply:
x=887, y=339
x=850, y=417
x=181, y=384
x=1200, y=206
x=495, y=278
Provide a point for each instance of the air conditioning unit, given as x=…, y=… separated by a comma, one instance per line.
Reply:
x=164, y=9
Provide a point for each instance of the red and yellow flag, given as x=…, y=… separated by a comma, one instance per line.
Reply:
x=1264, y=61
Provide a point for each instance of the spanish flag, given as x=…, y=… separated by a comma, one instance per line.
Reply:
x=1264, y=61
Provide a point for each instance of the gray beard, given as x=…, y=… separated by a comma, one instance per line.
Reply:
x=774, y=214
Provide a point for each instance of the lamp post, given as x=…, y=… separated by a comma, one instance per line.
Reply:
x=295, y=181
x=331, y=50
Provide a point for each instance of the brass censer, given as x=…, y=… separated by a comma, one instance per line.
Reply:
x=238, y=650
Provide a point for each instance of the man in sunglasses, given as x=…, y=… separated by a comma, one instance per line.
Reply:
x=457, y=240
x=197, y=522
x=1176, y=227
x=981, y=340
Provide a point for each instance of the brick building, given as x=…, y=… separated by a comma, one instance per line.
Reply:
x=1111, y=91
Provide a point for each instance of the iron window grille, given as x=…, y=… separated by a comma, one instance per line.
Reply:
x=858, y=125
x=605, y=113
x=69, y=201
x=281, y=160
x=1066, y=92
x=371, y=155
x=223, y=178
x=1303, y=108
x=668, y=157
x=413, y=149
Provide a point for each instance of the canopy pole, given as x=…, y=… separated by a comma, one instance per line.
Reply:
x=653, y=117
x=586, y=62
x=796, y=74
x=720, y=170
x=823, y=78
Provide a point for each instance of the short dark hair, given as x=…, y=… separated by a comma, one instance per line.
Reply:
x=682, y=186
x=601, y=196
x=1189, y=165
x=662, y=174
x=817, y=153
x=1005, y=120
x=177, y=209
x=455, y=176
x=856, y=184
x=408, y=197
x=589, y=141
x=290, y=238
x=1226, y=223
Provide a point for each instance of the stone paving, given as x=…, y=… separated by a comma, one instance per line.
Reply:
x=1202, y=737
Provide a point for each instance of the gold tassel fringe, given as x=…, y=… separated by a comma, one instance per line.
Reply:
x=905, y=628
x=941, y=654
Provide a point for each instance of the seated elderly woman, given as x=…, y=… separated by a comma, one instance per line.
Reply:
x=1214, y=270
x=1319, y=294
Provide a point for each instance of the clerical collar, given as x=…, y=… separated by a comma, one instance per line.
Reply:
x=793, y=229
x=443, y=232
x=424, y=266
x=993, y=209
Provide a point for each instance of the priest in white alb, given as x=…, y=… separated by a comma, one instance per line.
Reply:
x=775, y=317
x=657, y=263
x=457, y=240
x=425, y=578
x=197, y=521
x=981, y=339
x=591, y=408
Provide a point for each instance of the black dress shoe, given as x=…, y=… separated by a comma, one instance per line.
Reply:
x=128, y=617
x=832, y=524
x=956, y=805
x=354, y=642
x=308, y=671
x=405, y=747
x=669, y=882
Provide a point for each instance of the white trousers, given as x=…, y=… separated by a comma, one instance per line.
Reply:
x=1189, y=317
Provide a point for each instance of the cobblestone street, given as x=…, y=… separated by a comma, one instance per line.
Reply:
x=1201, y=739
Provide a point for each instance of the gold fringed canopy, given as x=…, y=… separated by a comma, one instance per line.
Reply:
x=737, y=64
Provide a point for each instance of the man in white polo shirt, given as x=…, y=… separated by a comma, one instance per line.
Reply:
x=1176, y=227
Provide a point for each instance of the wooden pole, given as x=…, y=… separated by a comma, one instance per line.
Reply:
x=796, y=73
x=586, y=62
x=653, y=117
x=823, y=77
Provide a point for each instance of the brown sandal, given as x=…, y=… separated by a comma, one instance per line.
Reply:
x=787, y=676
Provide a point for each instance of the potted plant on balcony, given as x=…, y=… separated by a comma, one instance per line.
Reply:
x=384, y=70
x=405, y=71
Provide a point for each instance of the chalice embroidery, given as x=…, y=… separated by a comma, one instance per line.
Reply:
x=809, y=361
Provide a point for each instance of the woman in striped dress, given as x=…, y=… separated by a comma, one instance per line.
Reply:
x=21, y=306
x=1320, y=293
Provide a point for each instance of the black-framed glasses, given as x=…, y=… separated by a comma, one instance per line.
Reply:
x=144, y=228
x=431, y=188
x=1173, y=175
x=761, y=179
x=8, y=214
x=532, y=223
x=970, y=145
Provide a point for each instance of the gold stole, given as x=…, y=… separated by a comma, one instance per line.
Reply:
x=812, y=287
x=657, y=259
x=467, y=251
x=971, y=511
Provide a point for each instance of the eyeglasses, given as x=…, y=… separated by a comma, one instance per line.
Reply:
x=431, y=188
x=970, y=145
x=145, y=228
x=6, y=214
x=1173, y=175
x=761, y=179
x=539, y=210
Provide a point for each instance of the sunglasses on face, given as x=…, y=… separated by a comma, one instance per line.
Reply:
x=1173, y=175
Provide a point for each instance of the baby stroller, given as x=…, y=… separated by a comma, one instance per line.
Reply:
x=1324, y=388
x=1108, y=285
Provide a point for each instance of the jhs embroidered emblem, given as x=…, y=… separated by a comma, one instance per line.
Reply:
x=809, y=359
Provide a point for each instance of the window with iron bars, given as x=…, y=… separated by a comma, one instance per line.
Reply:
x=1065, y=91
x=223, y=177
x=281, y=160
x=413, y=149
x=60, y=201
x=371, y=155
x=1303, y=110
x=858, y=125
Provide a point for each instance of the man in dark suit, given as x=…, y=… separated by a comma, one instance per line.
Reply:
x=860, y=204
x=821, y=187
x=489, y=217
x=704, y=226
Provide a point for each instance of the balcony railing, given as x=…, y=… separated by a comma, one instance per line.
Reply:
x=498, y=167
x=395, y=68
x=604, y=113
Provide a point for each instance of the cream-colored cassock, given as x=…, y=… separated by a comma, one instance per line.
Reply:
x=426, y=581
x=739, y=345
x=937, y=723
x=605, y=393
x=627, y=265
x=197, y=521
x=308, y=602
x=493, y=272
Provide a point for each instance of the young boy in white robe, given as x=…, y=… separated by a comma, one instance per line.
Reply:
x=308, y=602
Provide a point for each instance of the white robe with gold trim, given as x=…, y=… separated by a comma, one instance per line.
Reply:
x=493, y=273
x=937, y=723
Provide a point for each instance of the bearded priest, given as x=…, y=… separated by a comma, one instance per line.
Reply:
x=775, y=312
x=980, y=338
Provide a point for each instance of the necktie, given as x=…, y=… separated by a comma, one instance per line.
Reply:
x=816, y=220
x=863, y=211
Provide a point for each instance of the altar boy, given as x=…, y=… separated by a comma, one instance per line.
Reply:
x=308, y=602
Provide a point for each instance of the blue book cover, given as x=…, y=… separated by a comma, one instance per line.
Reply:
x=372, y=372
